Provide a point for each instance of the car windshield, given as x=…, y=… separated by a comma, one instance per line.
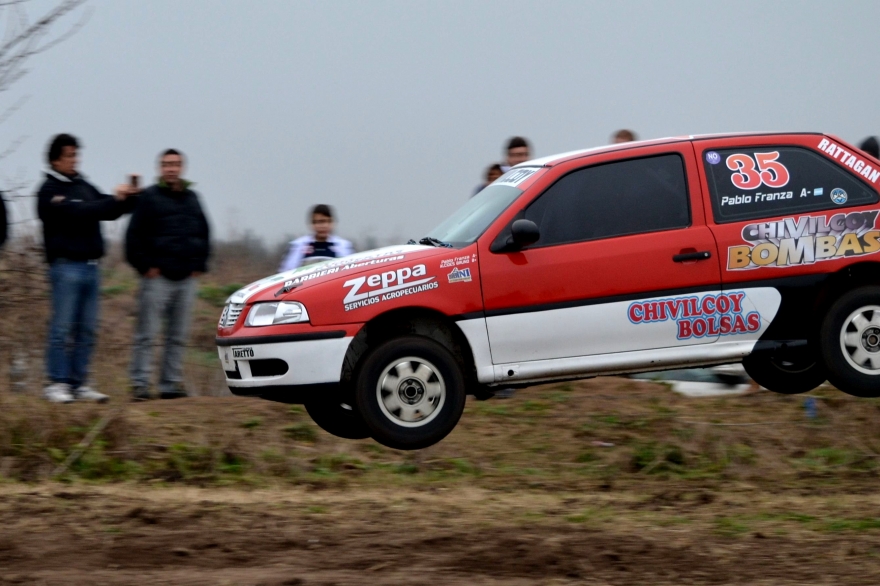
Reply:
x=471, y=220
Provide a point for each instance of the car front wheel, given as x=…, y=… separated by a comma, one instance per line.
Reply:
x=410, y=392
x=851, y=342
x=337, y=418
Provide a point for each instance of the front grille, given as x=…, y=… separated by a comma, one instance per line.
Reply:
x=230, y=314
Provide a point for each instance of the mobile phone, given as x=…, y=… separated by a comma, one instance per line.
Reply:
x=134, y=180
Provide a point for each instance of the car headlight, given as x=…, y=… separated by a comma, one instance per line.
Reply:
x=275, y=313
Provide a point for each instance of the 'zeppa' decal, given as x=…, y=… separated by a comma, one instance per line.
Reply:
x=696, y=317
x=375, y=288
x=805, y=240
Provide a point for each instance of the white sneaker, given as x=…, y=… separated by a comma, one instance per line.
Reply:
x=58, y=393
x=85, y=393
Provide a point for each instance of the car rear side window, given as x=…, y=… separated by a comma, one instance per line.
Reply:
x=762, y=182
x=613, y=199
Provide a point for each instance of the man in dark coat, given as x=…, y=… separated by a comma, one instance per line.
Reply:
x=168, y=243
x=72, y=210
x=4, y=222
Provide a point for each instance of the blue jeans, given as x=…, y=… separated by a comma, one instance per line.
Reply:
x=162, y=301
x=75, y=288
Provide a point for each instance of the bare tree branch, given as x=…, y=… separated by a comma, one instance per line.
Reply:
x=21, y=39
x=13, y=108
x=24, y=40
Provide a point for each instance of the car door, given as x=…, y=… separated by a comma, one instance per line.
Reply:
x=624, y=261
x=787, y=211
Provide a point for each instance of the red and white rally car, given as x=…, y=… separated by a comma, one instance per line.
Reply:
x=690, y=251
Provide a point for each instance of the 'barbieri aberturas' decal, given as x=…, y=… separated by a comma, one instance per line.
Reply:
x=378, y=287
x=699, y=316
x=805, y=240
x=290, y=280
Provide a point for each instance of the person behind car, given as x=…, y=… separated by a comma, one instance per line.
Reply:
x=493, y=172
x=623, y=135
x=518, y=151
x=168, y=243
x=72, y=210
x=4, y=222
x=322, y=244
x=871, y=146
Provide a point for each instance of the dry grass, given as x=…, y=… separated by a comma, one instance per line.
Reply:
x=612, y=480
x=601, y=432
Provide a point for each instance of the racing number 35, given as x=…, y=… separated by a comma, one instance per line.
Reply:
x=769, y=171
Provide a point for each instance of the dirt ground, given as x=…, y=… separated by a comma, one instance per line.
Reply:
x=133, y=535
x=603, y=482
x=606, y=481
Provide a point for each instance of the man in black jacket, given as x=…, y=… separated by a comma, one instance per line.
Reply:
x=72, y=211
x=4, y=223
x=168, y=244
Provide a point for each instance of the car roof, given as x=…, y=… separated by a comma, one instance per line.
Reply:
x=553, y=160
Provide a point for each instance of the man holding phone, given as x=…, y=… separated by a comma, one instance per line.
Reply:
x=168, y=243
x=72, y=210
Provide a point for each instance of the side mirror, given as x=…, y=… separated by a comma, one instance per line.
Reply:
x=522, y=233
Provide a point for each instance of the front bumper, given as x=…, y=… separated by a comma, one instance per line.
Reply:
x=295, y=360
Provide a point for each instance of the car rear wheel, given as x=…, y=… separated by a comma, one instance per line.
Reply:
x=851, y=342
x=789, y=375
x=410, y=392
x=337, y=418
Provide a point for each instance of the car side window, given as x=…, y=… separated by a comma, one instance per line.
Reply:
x=762, y=182
x=614, y=199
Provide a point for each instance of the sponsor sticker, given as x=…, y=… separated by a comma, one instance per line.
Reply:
x=239, y=353
x=713, y=158
x=805, y=240
x=516, y=176
x=851, y=160
x=697, y=317
x=305, y=273
x=379, y=287
x=838, y=196
x=459, y=276
x=454, y=262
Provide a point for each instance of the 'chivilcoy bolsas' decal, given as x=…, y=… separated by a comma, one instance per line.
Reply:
x=805, y=240
x=710, y=315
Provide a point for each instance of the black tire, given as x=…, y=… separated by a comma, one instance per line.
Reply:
x=427, y=396
x=337, y=418
x=851, y=342
x=788, y=375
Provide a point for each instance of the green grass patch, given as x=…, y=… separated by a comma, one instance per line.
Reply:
x=854, y=525
x=301, y=432
x=216, y=295
x=730, y=526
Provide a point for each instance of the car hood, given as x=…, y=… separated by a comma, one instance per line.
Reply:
x=277, y=285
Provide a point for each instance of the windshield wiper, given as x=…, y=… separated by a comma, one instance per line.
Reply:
x=428, y=241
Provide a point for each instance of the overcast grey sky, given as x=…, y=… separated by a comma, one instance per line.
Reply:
x=390, y=111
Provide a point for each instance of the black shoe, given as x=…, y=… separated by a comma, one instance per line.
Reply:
x=140, y=393
x=178, y=392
